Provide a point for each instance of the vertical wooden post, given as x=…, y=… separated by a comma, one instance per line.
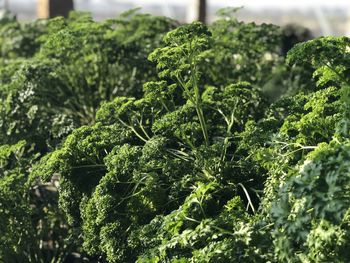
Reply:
x=202, y=11
x=52, y=8
x=197, y=11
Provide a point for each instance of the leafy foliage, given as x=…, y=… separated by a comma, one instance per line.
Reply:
x=190, y=156
x=19, y=40
x=55, y=74
x=169, y=160
x=311, y=213
x=242, y=52
x=32, y=227
x=84, y=63
x=304, y=159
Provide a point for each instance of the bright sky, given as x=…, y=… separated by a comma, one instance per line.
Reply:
x=257, y=3
x=284, y=3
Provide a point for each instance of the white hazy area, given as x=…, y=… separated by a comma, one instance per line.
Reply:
x=255, y=4
x=323, y=17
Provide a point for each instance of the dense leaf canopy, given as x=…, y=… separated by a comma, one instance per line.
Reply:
x=138, y=139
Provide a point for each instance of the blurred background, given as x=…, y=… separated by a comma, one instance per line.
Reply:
x=322, y=17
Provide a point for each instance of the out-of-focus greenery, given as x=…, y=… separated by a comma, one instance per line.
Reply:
x=78, y=64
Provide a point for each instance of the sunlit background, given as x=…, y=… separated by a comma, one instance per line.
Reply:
x=322, y=17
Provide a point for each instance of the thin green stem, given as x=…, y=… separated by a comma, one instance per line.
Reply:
x=248, y=197
x=199, y=108
x=133, y=129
